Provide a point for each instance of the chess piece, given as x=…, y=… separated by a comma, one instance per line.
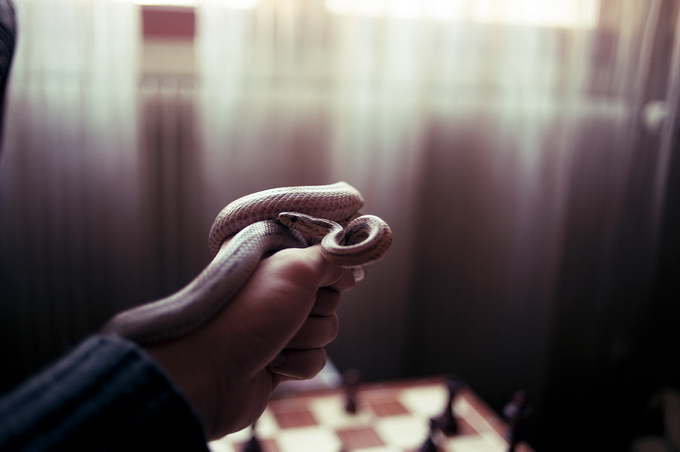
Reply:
x=515, y=413
x=429, y=445
x=351, y=379
x=446, y=422
x=253, y=444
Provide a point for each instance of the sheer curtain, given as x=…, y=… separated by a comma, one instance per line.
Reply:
x=501, y=140
x=68, y=176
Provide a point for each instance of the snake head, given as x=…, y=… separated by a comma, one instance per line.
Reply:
x=363, y=241
x=307, y=224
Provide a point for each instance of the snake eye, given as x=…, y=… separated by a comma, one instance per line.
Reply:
x=293, y=219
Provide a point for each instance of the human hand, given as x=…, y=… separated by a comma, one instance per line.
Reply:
x=275, y=328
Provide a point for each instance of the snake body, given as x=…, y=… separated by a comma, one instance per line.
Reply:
x=259, y=224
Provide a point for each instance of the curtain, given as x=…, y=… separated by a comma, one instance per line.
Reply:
x=485, y=133
x=69, y=183
x=519, y=149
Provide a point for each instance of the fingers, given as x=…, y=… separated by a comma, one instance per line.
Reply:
x=274, y=310
x=299, y=364
x=327, y=302
x=303, y=356
x=315, y=332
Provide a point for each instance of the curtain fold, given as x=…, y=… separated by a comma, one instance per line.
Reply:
x=68, y=175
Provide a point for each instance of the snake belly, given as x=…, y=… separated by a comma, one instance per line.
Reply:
x=251, y=221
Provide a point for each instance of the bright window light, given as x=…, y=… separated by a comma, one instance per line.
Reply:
x=541, y=13
x=236, y=4
x=556, y=13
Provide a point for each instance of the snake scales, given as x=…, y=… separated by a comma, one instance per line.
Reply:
x=260, y=223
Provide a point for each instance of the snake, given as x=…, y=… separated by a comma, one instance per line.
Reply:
x=243, y=233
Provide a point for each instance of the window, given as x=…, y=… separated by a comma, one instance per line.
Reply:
x=237, y=4
x=542, y=13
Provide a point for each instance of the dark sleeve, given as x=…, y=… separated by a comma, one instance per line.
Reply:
x=106, y=395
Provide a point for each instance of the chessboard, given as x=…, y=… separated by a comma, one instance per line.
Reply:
x=389, y=417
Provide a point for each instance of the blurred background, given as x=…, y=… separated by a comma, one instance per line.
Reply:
x=524, y=152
